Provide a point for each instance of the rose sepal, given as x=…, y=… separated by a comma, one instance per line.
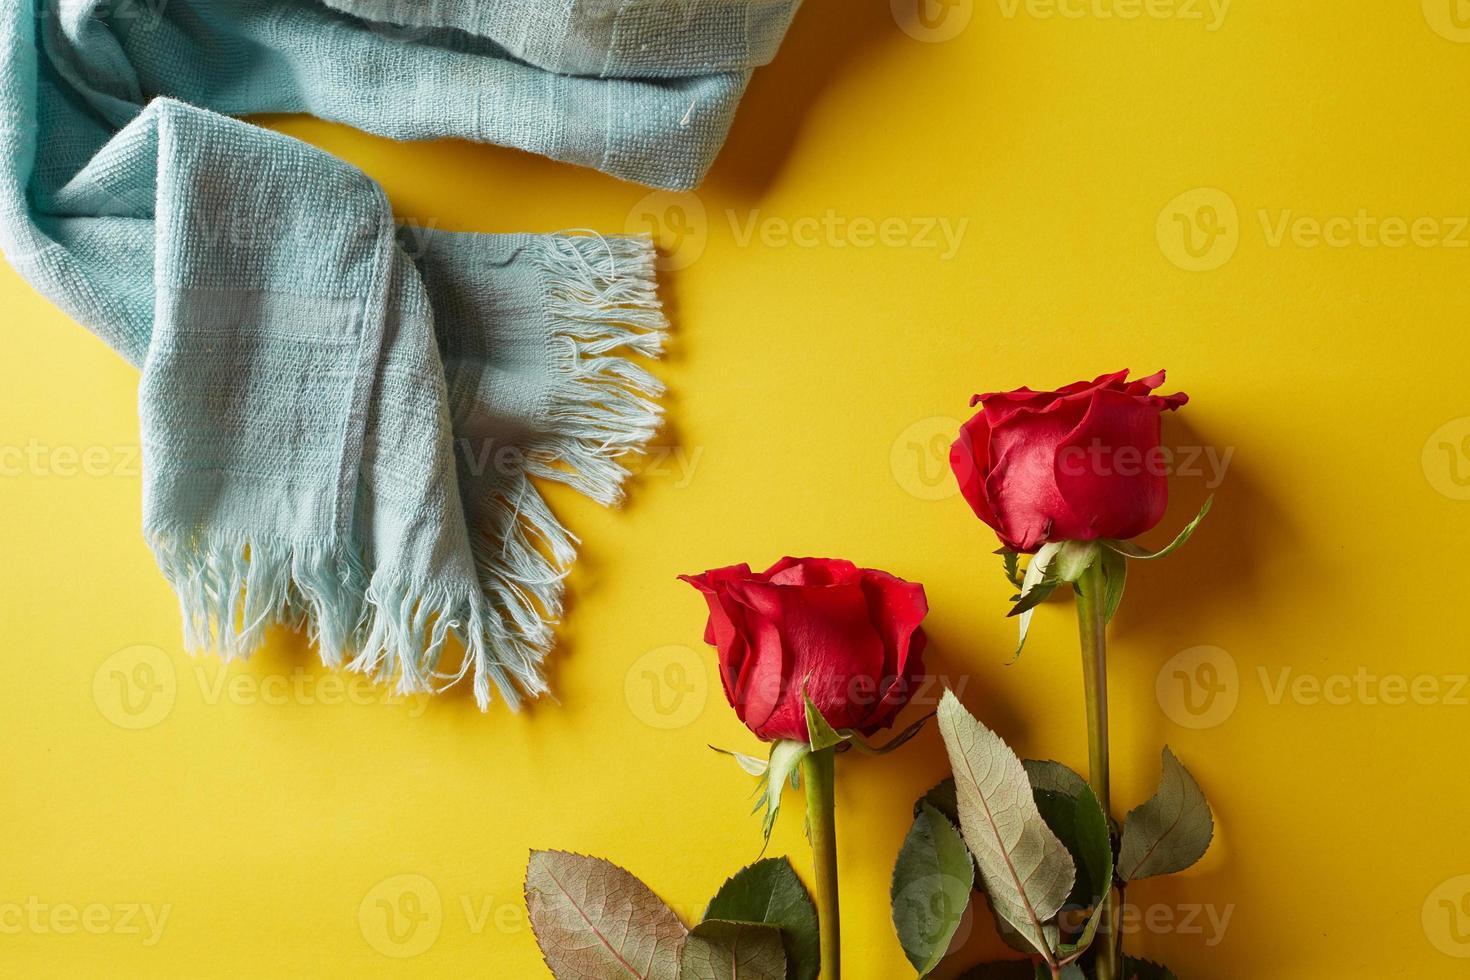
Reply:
x=1011, y=560
x=857, y=741
x=821, y=735
x=1037, y=585
x=750, y=764
x=1057, y=562
x=1130, y=550
x=781, y=768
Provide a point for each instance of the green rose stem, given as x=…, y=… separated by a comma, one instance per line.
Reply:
x=1093, y=626
x=818, y=771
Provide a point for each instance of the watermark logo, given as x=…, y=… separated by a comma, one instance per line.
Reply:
x=667, y=688
x=1446, y=459
x=143, y=920
x=1099, y=458
x=1446, y=917
x=677, y=223
x=1363, y=687
x=831, y=229
x=939, y=913
x=220, y=683
x=401, y=916
x=1199, y=687
x=37, y=459
x=1208, y=922
x=1450, y=19
x=1209, y=13
x=681, y=226
x=919, y=458
x=135, y=688
x=1363, y=229
x=933, y=21
x=1199, y=230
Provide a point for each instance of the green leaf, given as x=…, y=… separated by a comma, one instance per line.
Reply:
x=932, y=882
x=770, y=892
x=1136, y=969
x=1074, y=558
x=1007, y=970
x=752, y=765
x=1171, y=831
x=1131, y=550
x=1035, y=588
x=719, y=950
x=1012, y=561
x=1080, y=825
x=1053, y=777
x=590, y=916
x=1115, y=575
x=786, y=755
x=1027, y=872
x=941, y=798
x=819, y=734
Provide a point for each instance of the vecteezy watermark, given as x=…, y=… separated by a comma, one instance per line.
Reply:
x=1098, y=458
x=1446, y=917
x=138, y=687
x=667, y=688
x=401, y=916
x=1450, y=19
x=35, y=458
x=678, y=224
x=1210, y=14
x=1201, y=687
x=1446, y=459
x=1363, y=229
x=1200, y=230
x=36, y=917
x=675, y=464
x=936, y=897
x=220, y=683
x=681, y=226
x=1192, y=919
x=832, y=229
x=919, y=458
x=135, y=687
x=404, y=915
x=933, y=21
x=1198, y=687
x=1363, y=686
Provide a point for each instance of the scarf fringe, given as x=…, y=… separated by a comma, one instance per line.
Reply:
x=603, y=307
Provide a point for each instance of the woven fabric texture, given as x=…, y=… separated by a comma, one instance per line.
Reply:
x=341, y=418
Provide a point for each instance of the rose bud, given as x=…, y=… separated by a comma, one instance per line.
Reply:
x=848, y=637
x=1076, y=464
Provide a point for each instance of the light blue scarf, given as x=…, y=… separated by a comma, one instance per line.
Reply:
x=308, y=368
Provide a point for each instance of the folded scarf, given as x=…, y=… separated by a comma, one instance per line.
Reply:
x=310, y=372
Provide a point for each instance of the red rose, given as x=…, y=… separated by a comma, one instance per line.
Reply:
x=849, y=636
x=1076, y=464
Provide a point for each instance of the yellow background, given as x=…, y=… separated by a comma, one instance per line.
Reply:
x=815, y=378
